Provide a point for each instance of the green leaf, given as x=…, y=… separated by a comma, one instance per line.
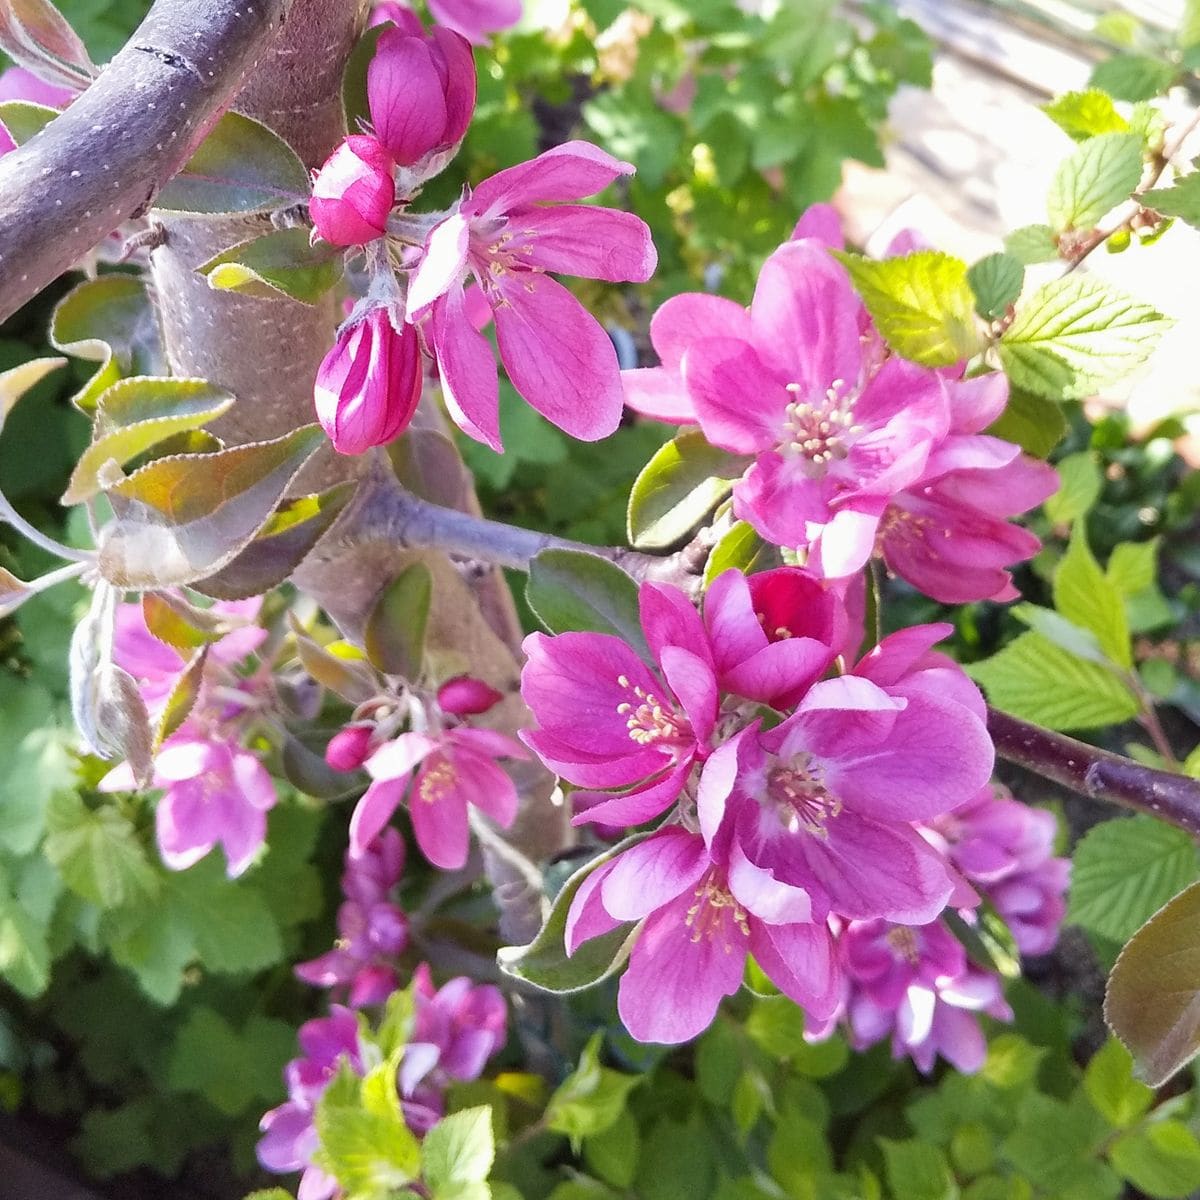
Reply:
x=1084, y=595
x=1133, y=77
x=20, y=379
x=23, y=119
x=570, y=590
x=614, y=1153
x=996, y=282
x=394, y=637
x=109, y=320
x=1153, y=998
x=182, y=626
x=922, y=304
x=1085, y=114
x=283, y=263
x=180, y=519
x=185, y=691
x=1032, y=244
x=279, y=547
x=458, y=1150
x=740, y=549
x=135, y=414
x=24, y=949
x=1161, y=1160
x=1181, y=200
x=1075, y=335
x=1054, y=627
x=1054, y=1142
x=1079, y=488
x=240, y=167
x=98, y=853
x=544, y=962
x=1094, y=179
x=776, y=1026
x=918, y=1171
x=1034, y=423
x=591, y=1098
x=1035, y=680
x=370, y=1155
x=1124, y=871
x=678, y=488
x=1133, y=566
x=1110, y=1086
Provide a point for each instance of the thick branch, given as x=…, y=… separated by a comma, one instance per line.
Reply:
x=1095, y=773
x=106, y=157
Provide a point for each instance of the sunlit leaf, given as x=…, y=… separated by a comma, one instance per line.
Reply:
x=182, y=697
x=283, y=263
x=16, y=382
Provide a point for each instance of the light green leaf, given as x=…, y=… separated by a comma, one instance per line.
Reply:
x=570, y=590
x=98, y=853
x=918, y=1171
x=1085, y=114
x=1032, y=244
x=370, y=1155
x=241, y=166
x=1093, y=179
x=613, y=1154
x=1054, y=627
x=741, y=549
x=234, y=928
x=1034, y=423
x=1124, y=871
x=1075, y=335
x=24, y=950
x=1055, y=1142
x=678, y=488
x=1133, y=566
x=1111, y=1087
x=458, y=1150
x=1181, y=200
x=922, y=304
x=1162, y=1160
x=1133, y=77
x=394, y=637
x=135, y=414
x=20, y=379
x=996, y=282
x=23, y=119
x=181, y=625
x=1085, y=596
x=1079, y=488
x=1035, y=680
x=591, y=1098
x=109, y=320
x=180, y=519
x=283, y=263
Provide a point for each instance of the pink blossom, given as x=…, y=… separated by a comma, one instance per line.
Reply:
x=454, y=768
x=289, y=1138
x=400, y=15
x=353, y=193
x=421, y=93
x=215, y=792
x=456, y=1029
x=556, y=354
x=476, y=19
x=369, y=384
x=467, y=697
x=699, y=926
x=16, y=83
x=372, y=929
x=349, y=748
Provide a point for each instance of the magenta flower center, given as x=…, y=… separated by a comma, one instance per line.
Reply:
x=904, y=944
x=797, y=792
x=647, y=720
x=820, y=433
x=713, y=913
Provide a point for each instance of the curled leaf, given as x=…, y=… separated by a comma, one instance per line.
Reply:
x=16, y=382
x=182, y=698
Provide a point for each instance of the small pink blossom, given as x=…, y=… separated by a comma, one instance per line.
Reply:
x=353, y=193
x=453, y=769
x=421, y=94
x=476, y=19
x=369, y=384
x=349, y=748
x=508, y=233
x=464, y=696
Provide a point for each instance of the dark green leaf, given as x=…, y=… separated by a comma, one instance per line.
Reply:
x=996, y=282
x=394, y=637
x=1034, y=423
x=281, y=263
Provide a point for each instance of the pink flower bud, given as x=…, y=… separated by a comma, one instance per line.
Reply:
x=421, y=92
x=466, y=697
x=349, y=749
x=369, y=385
x=400, y=15
x=353, y=193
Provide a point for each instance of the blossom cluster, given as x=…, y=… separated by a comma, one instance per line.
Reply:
x=215, y=792
x=505, y=234
x=851, y=451
x=455, y=1030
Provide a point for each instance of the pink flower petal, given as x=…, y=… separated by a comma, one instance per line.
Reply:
x=739, y=405
x=567, y=172
x=468, y=371
x=593, y=242
x=652, y=873
x=800, y=961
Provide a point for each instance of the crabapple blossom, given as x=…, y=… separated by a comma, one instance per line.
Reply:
x=349, y=748
x=508, y=234
x=353, y=192
x=369, y=384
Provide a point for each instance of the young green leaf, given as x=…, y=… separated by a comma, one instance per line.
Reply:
x=1181, y=200
x=591, y=1098
x=922, y=304
x=1110, y=1086
x=1083, y=115
x=1080, y=484
x=1162, y=1160
x=996, y=282
x=740, y=549
x=394, y=637
x=1133, y=566
x=1133, y=77
x=1032, y=244
x=1075, y=335
x=918, y=1171
x=458, y=1151
x=283, y=263
x=1034, y=423
x=1096, y=177
x=678, y=488
x=182, y=698
x=23, y=119
x=1085, y=596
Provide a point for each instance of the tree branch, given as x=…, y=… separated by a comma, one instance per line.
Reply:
x=104, y=159
x=1097, y=774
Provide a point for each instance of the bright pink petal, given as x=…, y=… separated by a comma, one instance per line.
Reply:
x=739, y=404
x=821, y=223
x=374, y=811
x=694, y=317
x=800, y=961
x=587, y=917
x=567, y=172
x=406, y=96
x=652, y=873
x=594, y=243
x=632, y=808
x=439, y=818
x=659, y=394
x=467, y=370
x=488, y=787
x=767, y=898
x=443, y=263
x=693, y=682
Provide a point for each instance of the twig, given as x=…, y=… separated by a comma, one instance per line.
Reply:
x=1097, y=774
x=105, y=158
x=10, y=516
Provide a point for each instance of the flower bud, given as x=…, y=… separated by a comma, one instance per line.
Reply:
x=421, y=92
x=369, y=384
x=349, y=749
x=466, y=697
x=399, y=14
x=353, y=193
